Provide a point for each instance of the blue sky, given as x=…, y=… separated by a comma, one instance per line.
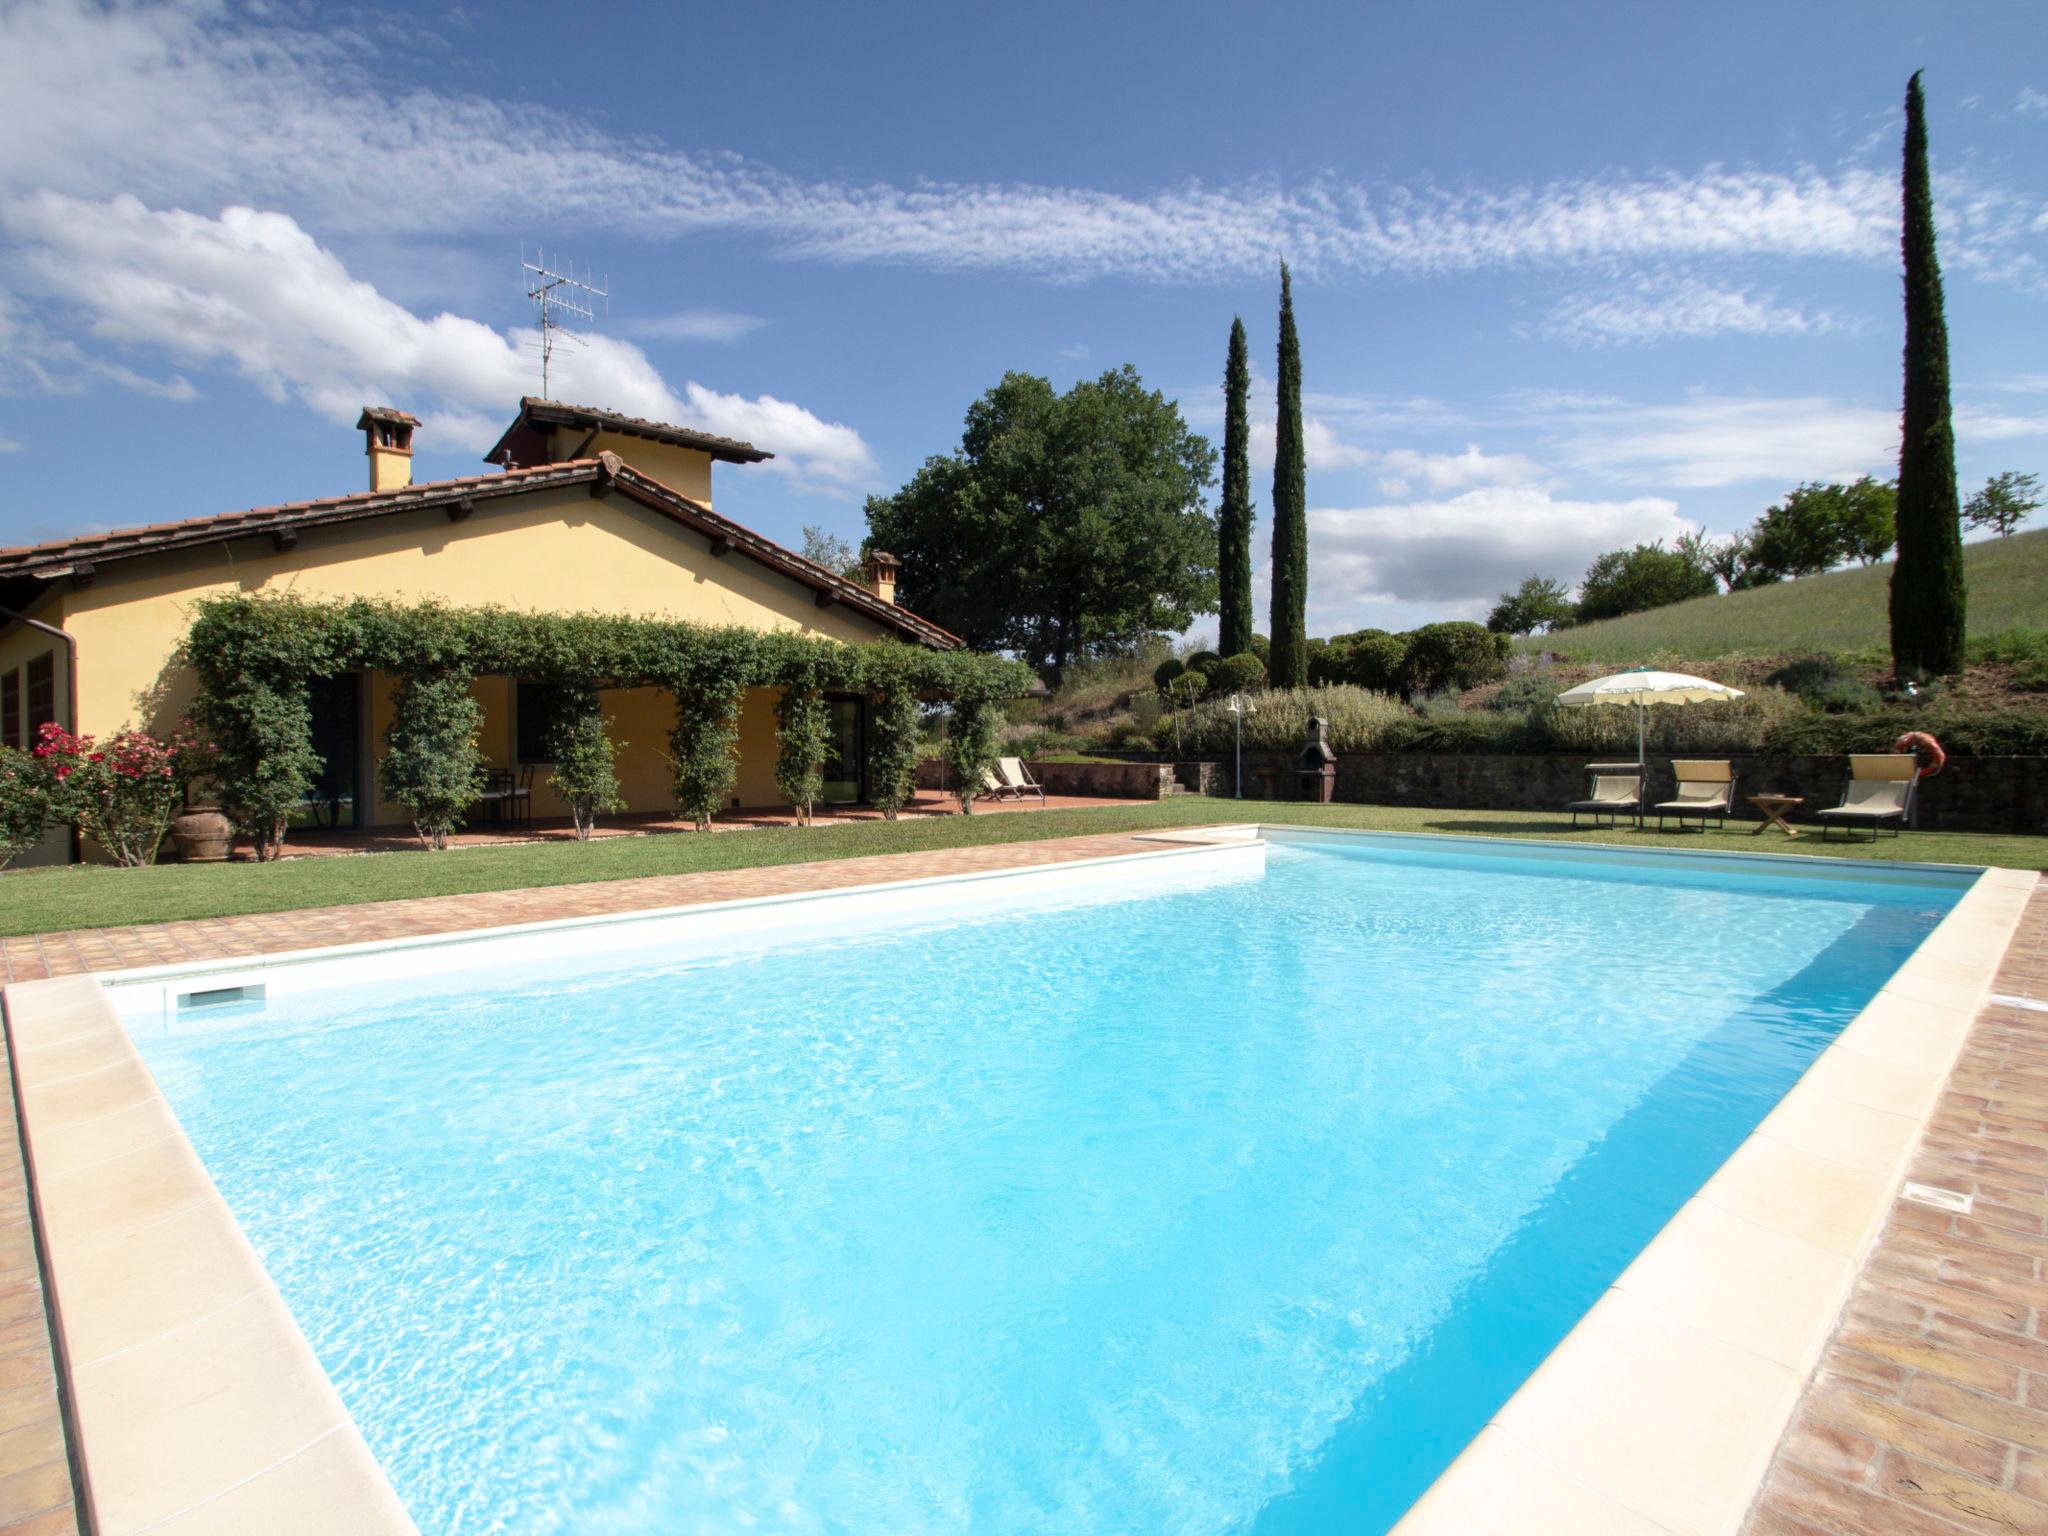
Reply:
x=1567, y=277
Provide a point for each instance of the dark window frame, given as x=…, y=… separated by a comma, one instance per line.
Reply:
x=41, y=693
x=11, y=731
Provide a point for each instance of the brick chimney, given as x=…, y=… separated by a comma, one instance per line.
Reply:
x=882, y=569
x=387, y=436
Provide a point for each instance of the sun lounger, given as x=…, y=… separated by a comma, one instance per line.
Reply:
x=1704, y=789
x=1617, y=792
x=993, y=787
x=1017, y=779
x=1879, y=792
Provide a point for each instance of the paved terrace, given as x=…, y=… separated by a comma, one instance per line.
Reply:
x=1928, y=1415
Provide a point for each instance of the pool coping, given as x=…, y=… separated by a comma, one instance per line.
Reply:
x=1702, y=1345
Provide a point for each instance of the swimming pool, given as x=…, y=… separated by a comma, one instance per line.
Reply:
x=1230, y=1199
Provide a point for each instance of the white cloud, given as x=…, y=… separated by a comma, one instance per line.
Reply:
x=193, y=105
x=1400, y=468
x=1652, y=311
x=10, y=445
x=1997, y=426
x=697, y=325
x=1458, y=554
x=2031, y=102
x=1716, y=440
x=253, y=291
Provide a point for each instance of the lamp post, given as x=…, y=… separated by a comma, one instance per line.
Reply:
x=1240, y=706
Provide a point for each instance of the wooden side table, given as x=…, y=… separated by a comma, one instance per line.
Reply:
x=1774, y=808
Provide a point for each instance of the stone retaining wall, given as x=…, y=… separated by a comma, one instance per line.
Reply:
x=1973, y=794
x=1122, y=781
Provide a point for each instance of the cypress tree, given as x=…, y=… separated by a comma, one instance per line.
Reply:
x=1927, y=579
x=1289, y=665
x=1234, y=517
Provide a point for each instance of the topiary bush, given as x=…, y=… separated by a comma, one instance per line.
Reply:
x=1167, y=671
x=1235, y=674
x=431, y=764
x=1453, y=656
x=1365, y=658
x=585, y=774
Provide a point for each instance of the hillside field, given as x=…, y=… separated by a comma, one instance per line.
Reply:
x=1843, y=612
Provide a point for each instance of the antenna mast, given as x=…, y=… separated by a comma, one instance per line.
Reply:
x=559, y=293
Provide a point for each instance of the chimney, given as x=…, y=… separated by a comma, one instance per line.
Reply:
x=387, y=436
x=882, y=569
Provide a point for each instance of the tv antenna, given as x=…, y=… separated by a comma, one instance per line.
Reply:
x=559, y=293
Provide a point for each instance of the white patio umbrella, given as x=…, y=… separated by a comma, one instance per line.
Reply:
x=1642, y=687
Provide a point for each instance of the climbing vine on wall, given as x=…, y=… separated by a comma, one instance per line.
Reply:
x=256, y=656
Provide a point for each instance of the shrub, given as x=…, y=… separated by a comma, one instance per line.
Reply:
x=803, y=735
x=1202, y=661
x=1454, y=655
x=895, y=726
x=1635, y=580
x=1962, y=732
x=1826, y=684
x=1360, y=721
x=1455, y=731
x=123, y=792
x=1167, y=671
x=25, y=808
x=1520, y=695
x=431, y=764
x=1737, y=725
x=583, y=756
x=2024, y=650
x=1235, y=674
x=1365, y=658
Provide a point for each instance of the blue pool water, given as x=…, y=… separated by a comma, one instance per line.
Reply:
x=1230, y=1206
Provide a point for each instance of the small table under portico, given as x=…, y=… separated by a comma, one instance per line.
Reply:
x=1774, y=808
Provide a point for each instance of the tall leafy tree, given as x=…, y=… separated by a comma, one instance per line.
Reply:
x=2006, y=501
x=1927, y=599
x=1064, y=526
x=1288, y=666
x=1234, y=515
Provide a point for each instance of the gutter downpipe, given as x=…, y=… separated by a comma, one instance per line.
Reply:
x=70, y=683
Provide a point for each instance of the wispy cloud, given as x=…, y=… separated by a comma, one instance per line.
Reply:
x=1718, y=440
x=696, y=325
x=2031, y=102
x=1651, y=310
x=193, y=106
x=10, y=445
x=254, y=292
x=1403, y=468
x=1459, y=553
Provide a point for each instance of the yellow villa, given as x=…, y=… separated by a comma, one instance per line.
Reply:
x=587, y=511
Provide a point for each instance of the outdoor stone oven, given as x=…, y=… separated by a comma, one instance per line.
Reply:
x=1315, y=770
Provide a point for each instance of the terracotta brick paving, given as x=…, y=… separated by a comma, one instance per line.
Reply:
x=36, y=1495
x=102, y=949
x=1928, y=1413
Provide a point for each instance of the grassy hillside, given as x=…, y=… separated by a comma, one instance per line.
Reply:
x=1842, y=612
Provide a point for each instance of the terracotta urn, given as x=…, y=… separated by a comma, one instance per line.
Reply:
x=202, y=835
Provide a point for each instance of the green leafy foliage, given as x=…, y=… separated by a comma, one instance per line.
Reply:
x=1826, y=684
x=1065, y=526
x=1365, y=658
x=895, y=725
x=431, y=764
x=26, y=810
x=122, y=792
x=1236, y=674
x=584, y=774
x=1817, y=527
x=1454, y=655
x=1634, y=580
x=2006, y=501
x=255, y=655
x=1167, y=671
x=1234, y=510
x=1928, y=610
x=1288, y=663
x=803, y=735
x=1538, y=603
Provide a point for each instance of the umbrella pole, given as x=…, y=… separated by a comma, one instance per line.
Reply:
x=1642, y=765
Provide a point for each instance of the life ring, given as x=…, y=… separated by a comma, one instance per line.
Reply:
x=1924, y=747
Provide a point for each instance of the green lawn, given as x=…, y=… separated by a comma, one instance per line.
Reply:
x=92, y=896
x=1841, y=612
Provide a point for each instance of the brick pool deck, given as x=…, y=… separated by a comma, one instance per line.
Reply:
x=1928, y=1415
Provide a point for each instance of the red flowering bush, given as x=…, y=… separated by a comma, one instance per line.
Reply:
x=123, y=792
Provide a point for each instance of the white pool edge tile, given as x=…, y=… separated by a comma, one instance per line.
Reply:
x=1821, y=1207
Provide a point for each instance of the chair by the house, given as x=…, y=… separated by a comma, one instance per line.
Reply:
x=491, y=802
x=1616, y=791
x=1017, y=778
x=1706, y=790
x=1879, y=793
x=519, y=793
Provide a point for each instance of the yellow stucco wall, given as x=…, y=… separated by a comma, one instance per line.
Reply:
x=680, y=469
x=558, y=550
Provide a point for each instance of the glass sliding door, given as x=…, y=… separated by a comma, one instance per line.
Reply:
x=846, y=759
x=336, y=704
